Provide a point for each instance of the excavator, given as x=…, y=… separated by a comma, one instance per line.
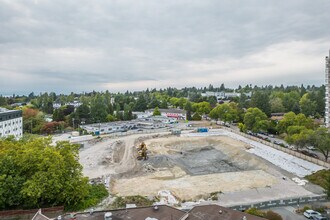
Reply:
x=142, y=151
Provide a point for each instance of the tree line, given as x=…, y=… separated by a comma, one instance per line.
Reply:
x=105, y=106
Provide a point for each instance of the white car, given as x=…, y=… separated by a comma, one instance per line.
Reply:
x=310, y=213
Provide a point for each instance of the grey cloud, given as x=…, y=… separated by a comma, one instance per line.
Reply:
x=147, y=39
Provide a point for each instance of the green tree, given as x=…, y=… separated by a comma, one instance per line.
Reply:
x=320, y=139
x=141, y=104
x=227, y=112
x=58, y=115
x=110, y=118
x=212, y=100
x=307, y=106
x=3, y=101
x=33, y=120
x=174, y=101
x=156, y=112
x=202, y=107
x=243, y=101
x=261, y=100
x=276, y=105
x=99, y=109
x=255, y=120
x=34, y=173
x=119, y=114
x=291, y=101
x=301, y=139
x=128, y=115
x=188, y=108
x=83, y=113
x=182, y=101
x=291, y=119
x=196, y=117
x=163, y=104
x=327, y=186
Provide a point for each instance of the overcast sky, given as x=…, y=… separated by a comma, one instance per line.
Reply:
x=120, y=45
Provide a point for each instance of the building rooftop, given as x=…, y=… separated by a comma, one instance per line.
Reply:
x=40, y=216
x=162, y=212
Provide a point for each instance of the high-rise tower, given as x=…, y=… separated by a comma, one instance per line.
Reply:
x=327, y=91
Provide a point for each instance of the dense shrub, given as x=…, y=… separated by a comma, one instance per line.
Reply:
x=270, y=215
x=95, y=195
x=120, y=202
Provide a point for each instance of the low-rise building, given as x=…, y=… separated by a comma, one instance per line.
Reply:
x=108, y=128
x=75, y=104
x=11, y=123
x=139, y=115
x=152, y=122
x=179, y=114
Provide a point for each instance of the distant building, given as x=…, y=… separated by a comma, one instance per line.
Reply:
x=224, y=95
x=75, y=104
x=170, y=113
x=327, y=91
x=139, y=115
x=18, y=104
x=11, y=123
x=277, y=116
x=151, y=122
x=108, y=128
x=57, y=105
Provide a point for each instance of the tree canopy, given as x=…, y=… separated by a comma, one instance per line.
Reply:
x=33, y=173
x=255, y=120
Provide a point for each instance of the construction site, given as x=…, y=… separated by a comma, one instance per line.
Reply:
x=193, y=167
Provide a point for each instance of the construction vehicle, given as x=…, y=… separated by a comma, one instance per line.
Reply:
x=142, y=151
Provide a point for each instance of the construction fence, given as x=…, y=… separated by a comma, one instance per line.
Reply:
x=298, y=202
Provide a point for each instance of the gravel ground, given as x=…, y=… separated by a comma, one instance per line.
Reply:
x=283, y=160
x=194, y=165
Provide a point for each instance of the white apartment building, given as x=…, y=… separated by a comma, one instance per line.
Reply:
x=224, y=95
x=327, y=91
x=11, y=123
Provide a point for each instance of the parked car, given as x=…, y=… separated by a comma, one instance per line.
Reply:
x=319, y=218
x=309, y=153
x=311, y=213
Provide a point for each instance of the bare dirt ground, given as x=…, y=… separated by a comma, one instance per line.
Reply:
x=189, y=167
